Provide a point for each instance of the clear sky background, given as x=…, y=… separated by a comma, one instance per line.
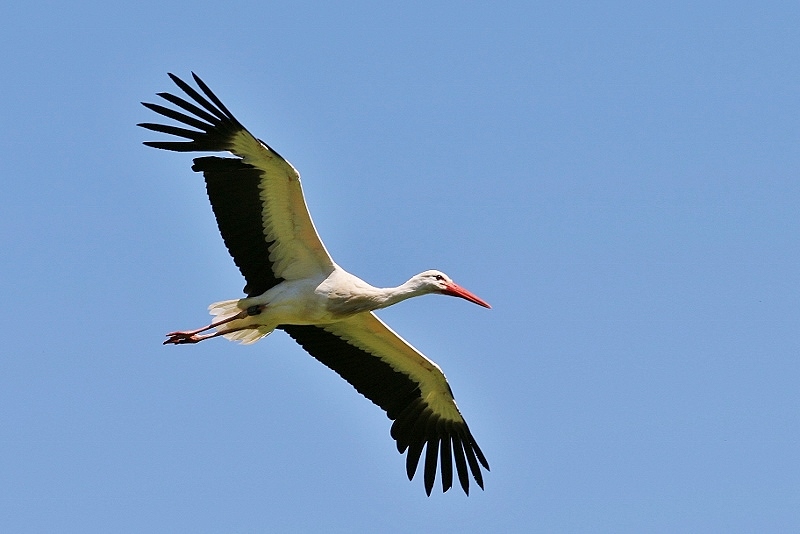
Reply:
x=619, y=179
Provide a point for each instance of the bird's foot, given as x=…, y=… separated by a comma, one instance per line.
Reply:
x=181, y=338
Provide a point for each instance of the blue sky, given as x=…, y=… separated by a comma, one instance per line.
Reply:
x=619, y=180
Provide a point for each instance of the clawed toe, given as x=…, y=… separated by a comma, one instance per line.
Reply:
x=180, y=338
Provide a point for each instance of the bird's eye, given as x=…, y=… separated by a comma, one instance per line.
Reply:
x=439, y=277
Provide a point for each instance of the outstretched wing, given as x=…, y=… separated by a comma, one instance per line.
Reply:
x=412, y=390
x=256, y=197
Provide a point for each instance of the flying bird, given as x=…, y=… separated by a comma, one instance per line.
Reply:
x=293, y=284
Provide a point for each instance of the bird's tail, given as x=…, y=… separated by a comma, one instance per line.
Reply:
x=233, y=330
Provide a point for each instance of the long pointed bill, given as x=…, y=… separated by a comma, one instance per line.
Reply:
x=456, y=290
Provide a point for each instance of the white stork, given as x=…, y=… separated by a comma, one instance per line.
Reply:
x=293, y=284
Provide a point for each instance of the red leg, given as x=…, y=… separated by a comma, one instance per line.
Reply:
x=191, y=336
x=182, y=338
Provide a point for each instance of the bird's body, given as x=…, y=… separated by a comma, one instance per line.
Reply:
x=317, y=300
x=293, y=284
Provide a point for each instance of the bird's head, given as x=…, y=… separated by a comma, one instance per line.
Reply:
x=438, y=282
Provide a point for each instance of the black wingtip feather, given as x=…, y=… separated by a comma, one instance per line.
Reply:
x=447, y=464
x=479, y=453
x=200, y=99
x=210, y=94
x=431, y=459
x=473, y=464
x=191, y=108
x=461, y=464
x=412, y=458
x=173, y=130
x=178, y=116
x=175, y=146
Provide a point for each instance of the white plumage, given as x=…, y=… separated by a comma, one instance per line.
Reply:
x=293, y=284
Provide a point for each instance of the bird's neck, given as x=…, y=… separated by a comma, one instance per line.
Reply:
x=392, y=295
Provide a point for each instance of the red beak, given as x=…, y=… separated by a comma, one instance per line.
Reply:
x=456, y=290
